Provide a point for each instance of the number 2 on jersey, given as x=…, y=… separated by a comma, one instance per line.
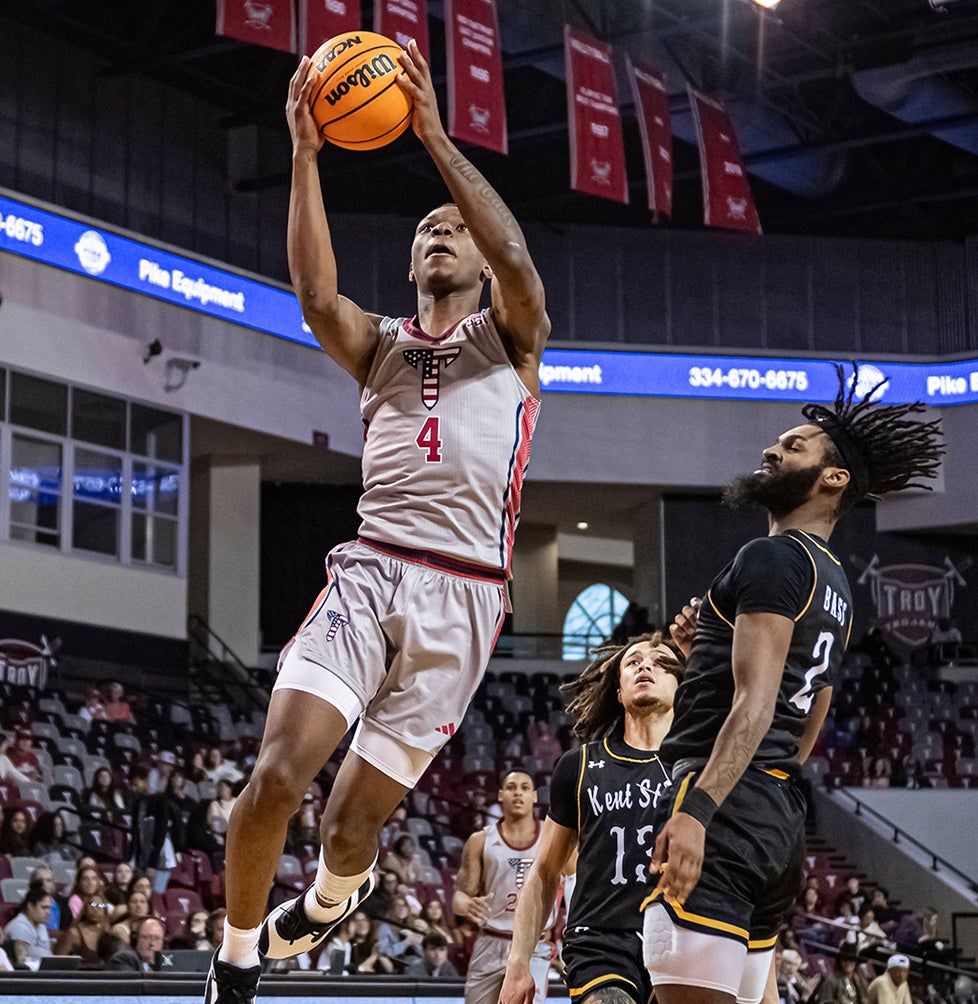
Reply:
x=823, y=651
x=429, y=440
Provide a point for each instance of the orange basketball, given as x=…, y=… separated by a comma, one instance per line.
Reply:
x=357, y=102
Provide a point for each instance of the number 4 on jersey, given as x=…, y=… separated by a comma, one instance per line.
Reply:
x=429, y=440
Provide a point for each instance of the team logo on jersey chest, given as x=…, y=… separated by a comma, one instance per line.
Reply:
x=429, y=363
x=522, y=868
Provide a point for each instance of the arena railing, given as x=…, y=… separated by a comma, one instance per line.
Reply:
x=221, y=667
x=937, y=862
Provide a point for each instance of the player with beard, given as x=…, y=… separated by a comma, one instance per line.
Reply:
x=601, y=801
x=772, y=631
x=401, y=635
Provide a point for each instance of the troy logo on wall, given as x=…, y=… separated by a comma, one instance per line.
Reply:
x=910, y=598
x=429, y=363
x=25, y=664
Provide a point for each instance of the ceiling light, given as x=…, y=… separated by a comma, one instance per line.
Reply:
x=582, y=525
x=767, y=4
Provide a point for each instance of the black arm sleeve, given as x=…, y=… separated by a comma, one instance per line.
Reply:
x=772, y=575
x=563, y=790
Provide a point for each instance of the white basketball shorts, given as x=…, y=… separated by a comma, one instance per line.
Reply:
x=401, y=639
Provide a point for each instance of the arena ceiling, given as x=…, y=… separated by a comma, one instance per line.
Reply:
x=812, y=80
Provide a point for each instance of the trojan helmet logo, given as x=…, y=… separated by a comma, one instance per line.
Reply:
x=479, y=118
x=601, y=171
x=25, y=664
x=258, y=14
x=910, y=598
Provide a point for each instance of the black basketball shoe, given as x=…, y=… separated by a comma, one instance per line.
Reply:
x=227, y=984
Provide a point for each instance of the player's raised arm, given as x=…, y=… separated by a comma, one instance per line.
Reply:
x=346, y=333
x=517, y=292
x=760, y=648
x=534, y=906
x=466, y=901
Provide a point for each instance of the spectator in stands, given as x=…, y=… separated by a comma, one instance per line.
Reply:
x=892, y=986
x=880, y=902
x=929, y=943
x=117, y=954
x=854, y=892
x=846, y=914
x=399, y=936
x=165, y=763
x=141, y=883
x=193, y=767
x=194, y=933
x=157, y=830
x=88, y=885
x=8, y=772
x=22, y=754
x=84, y=932
x=116, y=890
x=634, y=621
x=48, y=838
x=846, y=985
x=176, y=792
x=544, y=744
x=436, y=922
x=220, y=807
x=792, y=986
x=899, y=777
x=93, y=710
x=117, y=708
x=880, y=773
x=29, y=924
x=401, y=860
x=216, y=768
x=382, y=902
x=60, y=916
x=434, y=963
x=6, y=966
x=303, y=837
x=870, y=936
x=137, y=909
x=150, y=938
x=103, y=794
x=15, y=834
x=356, y=950
x=215, y=927
x=804, y=917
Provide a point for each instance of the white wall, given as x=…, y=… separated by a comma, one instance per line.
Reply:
x=36, y=581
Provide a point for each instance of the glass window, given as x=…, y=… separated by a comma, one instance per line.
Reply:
x=35, y=490
x=3, y=394
x=98, y=419
x=157, y=434
x=591, y=619
x=38, y=404
x=155, y=488
x=154, y=540
x=97, y=501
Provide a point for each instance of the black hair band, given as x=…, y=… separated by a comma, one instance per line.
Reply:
x=848, y=449
x=698, y=804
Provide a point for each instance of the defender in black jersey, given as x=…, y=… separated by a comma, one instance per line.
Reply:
x=772, y=631
x=602, y=796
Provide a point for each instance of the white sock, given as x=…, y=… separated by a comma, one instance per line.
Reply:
x=324, y=901
x=240, y=946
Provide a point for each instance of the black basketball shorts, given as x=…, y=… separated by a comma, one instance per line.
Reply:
x=597, y=958
x=753, y=865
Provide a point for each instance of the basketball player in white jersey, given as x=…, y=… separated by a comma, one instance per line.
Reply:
x=401, y=636
x=495, y=863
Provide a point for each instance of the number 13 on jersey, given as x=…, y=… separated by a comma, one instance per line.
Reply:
x=429, y=440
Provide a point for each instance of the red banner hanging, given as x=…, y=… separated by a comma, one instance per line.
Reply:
x=727, y=198
x=476, y=101
x=403, y=20
x=597, y=147
x=322, y=19
x=652, y=108
x=260, y=22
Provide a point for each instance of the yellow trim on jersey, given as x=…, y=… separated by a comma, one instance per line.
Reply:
x=849, y=631
x=760, y=944
x=821, y=547
x=808, y=554
x=577, y=991
x=681, y=794
x=774, y=772
x=716, y=610
x=696, y=918
x=626, y=759
x=580, y=785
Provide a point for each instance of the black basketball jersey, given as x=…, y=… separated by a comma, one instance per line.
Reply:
x=605, y=792
x=793, y=574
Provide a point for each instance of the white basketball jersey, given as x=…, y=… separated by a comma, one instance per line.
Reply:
x=504, y=872
x=447, y=427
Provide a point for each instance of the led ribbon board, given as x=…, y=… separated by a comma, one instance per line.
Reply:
x=103, y=255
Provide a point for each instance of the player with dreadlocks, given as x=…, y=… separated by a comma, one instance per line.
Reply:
x=601, y=800
x=772, y=630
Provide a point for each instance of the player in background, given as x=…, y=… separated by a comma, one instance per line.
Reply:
x=489, y=884
x=601, y=801
x=401, y=636
x=772, y=631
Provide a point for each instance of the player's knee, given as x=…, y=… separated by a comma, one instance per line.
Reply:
x=273, y=788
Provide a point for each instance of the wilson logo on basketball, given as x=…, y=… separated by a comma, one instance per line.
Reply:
x=337, y=50
x=379, y=66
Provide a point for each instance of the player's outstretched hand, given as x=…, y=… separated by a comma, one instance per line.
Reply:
x=478, y=911
x=305, y=133
x=416, y=80
x=683, y=627
x=518, y=985
x=678, y=856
